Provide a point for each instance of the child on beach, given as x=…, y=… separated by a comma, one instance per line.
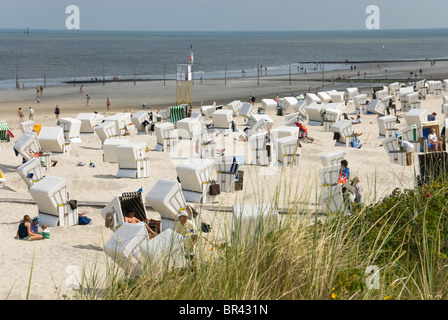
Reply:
x=358, y=189
x=45, y=232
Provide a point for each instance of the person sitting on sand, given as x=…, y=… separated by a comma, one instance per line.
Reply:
x=357, y=120
x=35, y=225
x=432, y=139
x=45, y=232
x=24, y=231
x=131, y=218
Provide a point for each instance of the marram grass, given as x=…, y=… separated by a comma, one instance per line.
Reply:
x=303, y=255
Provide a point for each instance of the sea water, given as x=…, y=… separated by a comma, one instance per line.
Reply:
x=60, y=56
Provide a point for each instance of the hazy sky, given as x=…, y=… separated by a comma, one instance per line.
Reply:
x=225, y=15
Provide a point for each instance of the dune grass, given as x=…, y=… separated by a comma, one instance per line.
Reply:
x=302, y=254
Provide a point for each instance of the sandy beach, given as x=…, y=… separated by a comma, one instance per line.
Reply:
x=81, y=246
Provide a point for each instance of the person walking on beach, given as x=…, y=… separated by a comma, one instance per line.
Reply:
x=20, y=115
x=31, y=115
x=80, y=89
x=57, y=111
x=41, y=90
x=108, y=103
x=187, y=228
x=37, y=90
x=88, y=100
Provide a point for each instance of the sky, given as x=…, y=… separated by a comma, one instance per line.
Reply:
x=223, y=15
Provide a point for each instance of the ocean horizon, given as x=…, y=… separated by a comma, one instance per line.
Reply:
x=59, y=56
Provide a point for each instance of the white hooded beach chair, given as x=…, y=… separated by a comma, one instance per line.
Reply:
x=377, y=107
x=254, y=118
x=110, y=149
x=394, y=89
x=421, y=87
x=106, y=130
x=164, y=252
x=126, y=248
x=386, y=125
x=194, y=175
x=396, y=155
x=413, y=100
x=89, y=121
x=31, y=171
x=166, y=136
x=252, y=221
x=122, y=121
x=381, y=94
x=287, y=103
x=416, y=116
x=331, y=199
x=222, y=119
x=167, y=199
x=284, y=131
x=300, y=107
x=71, y=127
x=350, y=93
x=287, y=150
x=445, y=84
x=324, y=97
x=344, y=128
x=336, y=96
x=332, y=158
x=28, y=146
x=132, y=160
x=330, y=117
x=412, y=134
x=52, y=200
x=258, y=150
x=188, y=127
x=311, y=98
x=328, y=176
x=234, y=106
x=26, y=126
x=257, y=127
x=361, y=103
x=138, y=118
x=207, y=111
x=205, y=147
x=247, y=110
x=435, y=87
x=291, y=118
x=121, y=205
x=268, y=104
x=445, y=109
x=199, y=117
x=52, y=139
x=226, y=172
x=313, y=111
